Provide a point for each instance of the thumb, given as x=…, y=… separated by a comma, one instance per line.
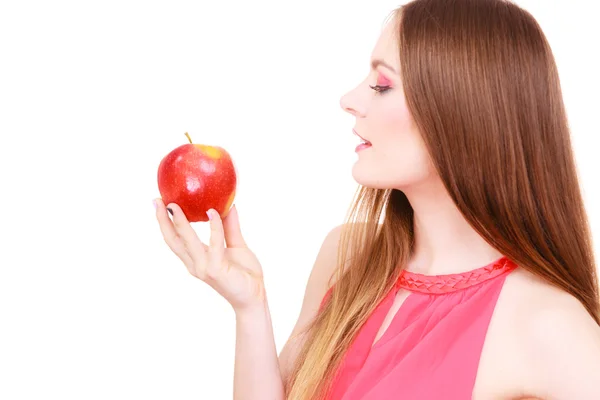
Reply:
x=231, y=226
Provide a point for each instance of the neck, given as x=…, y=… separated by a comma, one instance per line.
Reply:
x=445, y=243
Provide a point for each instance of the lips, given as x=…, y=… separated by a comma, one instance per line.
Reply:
x=363, y=139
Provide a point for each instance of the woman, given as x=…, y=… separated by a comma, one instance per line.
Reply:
x=465, y=269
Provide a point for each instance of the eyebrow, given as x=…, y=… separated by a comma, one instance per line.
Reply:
x=375, y=63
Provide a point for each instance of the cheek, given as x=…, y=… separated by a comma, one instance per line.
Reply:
x=398, y=130
x=405, y=151
x=394, y=115
x=406, y=157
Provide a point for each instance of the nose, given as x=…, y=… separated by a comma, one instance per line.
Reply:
x=350, y=103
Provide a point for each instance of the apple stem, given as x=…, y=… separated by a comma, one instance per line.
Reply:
x=189, y=138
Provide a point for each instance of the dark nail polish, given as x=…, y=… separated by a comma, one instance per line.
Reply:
x=169, y=210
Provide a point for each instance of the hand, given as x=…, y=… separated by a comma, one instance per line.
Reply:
x=234, y=272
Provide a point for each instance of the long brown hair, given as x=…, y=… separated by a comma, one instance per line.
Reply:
x=482, y=86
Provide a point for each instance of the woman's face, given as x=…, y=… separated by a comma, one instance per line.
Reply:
x=397, y=157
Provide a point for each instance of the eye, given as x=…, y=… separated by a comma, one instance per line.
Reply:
x=380, y=88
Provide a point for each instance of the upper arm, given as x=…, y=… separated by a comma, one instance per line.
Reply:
x=565, y=345
x=316, y=288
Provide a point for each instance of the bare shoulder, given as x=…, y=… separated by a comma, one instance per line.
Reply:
x=321, y=278
x=322, y=273
x=559, y=339
x=542, y=304
x=546, y=313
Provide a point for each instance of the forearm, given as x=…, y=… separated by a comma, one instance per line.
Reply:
x=256, y=373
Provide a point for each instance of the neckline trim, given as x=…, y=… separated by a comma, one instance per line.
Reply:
x=440, y=284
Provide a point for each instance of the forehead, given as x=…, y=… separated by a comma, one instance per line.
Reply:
x=386, y=47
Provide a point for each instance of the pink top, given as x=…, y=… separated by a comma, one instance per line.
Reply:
x=432, y=347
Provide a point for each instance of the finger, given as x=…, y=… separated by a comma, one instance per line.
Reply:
x=193, y=244
x=233, y=232
x=216, y=249
x=170, y=235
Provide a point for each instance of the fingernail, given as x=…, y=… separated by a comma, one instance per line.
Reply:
x=154, y=204
x=170, y=211
x=209, y=215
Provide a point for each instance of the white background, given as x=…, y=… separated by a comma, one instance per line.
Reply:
x=93, y=305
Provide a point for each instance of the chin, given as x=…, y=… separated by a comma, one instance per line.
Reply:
x=378, y=179
x=369, y=179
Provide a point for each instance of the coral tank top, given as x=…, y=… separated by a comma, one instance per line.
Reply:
x=431, y=348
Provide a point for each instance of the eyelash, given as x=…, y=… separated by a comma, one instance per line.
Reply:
x=380, y=89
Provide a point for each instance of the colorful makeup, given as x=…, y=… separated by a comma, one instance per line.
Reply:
x=383, y=81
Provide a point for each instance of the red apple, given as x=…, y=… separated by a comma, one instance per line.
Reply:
x=198, y=177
